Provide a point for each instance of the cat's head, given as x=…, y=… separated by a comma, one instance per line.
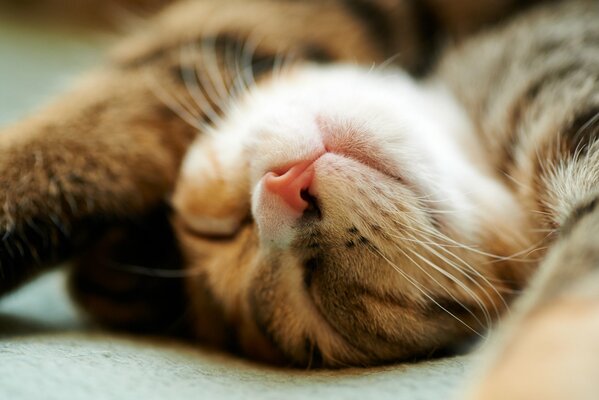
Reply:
x=340, y=215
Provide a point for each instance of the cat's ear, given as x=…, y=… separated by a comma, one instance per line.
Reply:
x=212, y=196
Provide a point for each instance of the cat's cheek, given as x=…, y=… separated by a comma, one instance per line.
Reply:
x=274, y=218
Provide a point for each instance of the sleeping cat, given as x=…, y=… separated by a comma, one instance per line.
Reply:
x=327, y=215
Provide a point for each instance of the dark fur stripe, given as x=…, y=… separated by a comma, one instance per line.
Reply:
x=423, y=29
x=428, y=35
x=374, y=18
x=523, y=103
x=310, y=267
x=315, y=357
x=442, y=305
x=358, y=290
x=262, y=61
x=583, y=131
x=520, y=107
x=578, y=213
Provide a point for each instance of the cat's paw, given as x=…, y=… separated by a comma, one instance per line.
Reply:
x=31, y=235
x=552, y=354
x=43, y=208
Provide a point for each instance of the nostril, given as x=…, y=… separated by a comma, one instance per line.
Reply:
x=289, y=184
x=313, y=209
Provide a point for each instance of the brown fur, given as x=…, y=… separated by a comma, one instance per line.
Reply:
x=109, y=152
x=106, y=14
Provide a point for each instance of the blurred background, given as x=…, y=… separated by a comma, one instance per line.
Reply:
x=46, y=44
x=39, y=60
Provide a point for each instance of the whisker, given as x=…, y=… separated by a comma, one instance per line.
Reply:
x=231, y=64
x=433, y=247
x=247, y=57
x=447, y=274
x=463, y=262
x=423, y=292
x=454, y=279
x=155, y=272
x=476, y=298
x=282, y=62
x=162, y=94
x=190, y=80
x=180, y=99
x=388, y=61
x=214, y=82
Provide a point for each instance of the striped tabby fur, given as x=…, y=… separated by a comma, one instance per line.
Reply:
x=88, y=177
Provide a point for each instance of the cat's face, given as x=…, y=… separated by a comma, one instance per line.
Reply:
x=333, y=217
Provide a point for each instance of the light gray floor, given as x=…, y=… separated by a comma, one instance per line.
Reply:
x=46, y=352
x=36, y=63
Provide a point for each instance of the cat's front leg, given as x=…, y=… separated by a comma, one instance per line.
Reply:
x=107, y=152
x=550, y=347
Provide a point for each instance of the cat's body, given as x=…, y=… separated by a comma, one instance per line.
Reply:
x=333, y=215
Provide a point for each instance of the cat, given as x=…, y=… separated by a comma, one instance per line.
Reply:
x=330, y=214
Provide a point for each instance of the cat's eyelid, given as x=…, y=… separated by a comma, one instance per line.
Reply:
x=213, y=228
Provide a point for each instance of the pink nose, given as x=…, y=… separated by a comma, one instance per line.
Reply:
x=290, y=184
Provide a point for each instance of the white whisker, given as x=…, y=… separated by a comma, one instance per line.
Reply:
x=162, y=94
x=424, y=293
x=388, y=61
x=463, y=286
x=191, y=83
x=213, y=81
